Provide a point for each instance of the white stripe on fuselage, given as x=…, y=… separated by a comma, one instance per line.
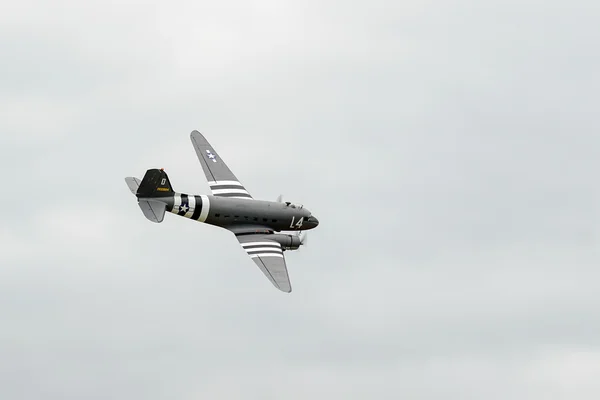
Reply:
x=176, y=203
x=191, y=205
x=205, y=208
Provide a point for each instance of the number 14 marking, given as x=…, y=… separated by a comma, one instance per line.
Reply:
x=298, y=224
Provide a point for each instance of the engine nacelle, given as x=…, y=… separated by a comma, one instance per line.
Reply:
x=287, y=242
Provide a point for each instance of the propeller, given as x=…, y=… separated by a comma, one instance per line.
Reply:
x=303, y=238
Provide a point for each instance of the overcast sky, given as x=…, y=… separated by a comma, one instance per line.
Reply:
x=449, y=149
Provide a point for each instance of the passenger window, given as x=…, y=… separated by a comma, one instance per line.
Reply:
x=217, y=215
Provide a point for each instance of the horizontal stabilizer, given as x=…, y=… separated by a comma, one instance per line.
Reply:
x=153, y=210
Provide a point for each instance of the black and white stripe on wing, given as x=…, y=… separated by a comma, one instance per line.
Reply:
x=263, y=249
x=229, y=189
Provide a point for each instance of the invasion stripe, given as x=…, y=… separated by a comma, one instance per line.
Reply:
x=259, y=243
x=198, y=208
x=205, y=208
x=263, y=250
x=217, y=192
x=254, y=248
x=219, y=183
x=176, y=203
x=191, y=205
x=266, y=255
x=263, y=246
x=184, y=202
x=239, y=194
x=218, y=187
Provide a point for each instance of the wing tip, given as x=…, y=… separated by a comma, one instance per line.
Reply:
x=195, y=133
x=284, y=290
x=198, y=139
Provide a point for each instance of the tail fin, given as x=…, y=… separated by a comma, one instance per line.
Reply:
x=155, y=184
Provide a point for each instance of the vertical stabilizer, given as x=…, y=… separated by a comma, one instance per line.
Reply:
x=155, y=184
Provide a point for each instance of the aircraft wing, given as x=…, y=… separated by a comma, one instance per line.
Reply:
x=221, y=180
x=268, y=255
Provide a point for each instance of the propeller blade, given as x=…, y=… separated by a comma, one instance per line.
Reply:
x=303, y=238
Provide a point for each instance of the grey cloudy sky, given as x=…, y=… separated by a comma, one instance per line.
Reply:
x=449, y=149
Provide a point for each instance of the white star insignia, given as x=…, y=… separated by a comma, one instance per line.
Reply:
x=183, y=208
x=211, y=156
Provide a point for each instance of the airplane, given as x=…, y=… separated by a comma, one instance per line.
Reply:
x=255, y=223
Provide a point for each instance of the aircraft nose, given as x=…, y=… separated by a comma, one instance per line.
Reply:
x=313, y=220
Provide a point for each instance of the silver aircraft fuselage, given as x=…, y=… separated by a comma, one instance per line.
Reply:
x=235, y=213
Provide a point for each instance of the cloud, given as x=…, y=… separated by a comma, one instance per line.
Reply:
x=449, y=151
